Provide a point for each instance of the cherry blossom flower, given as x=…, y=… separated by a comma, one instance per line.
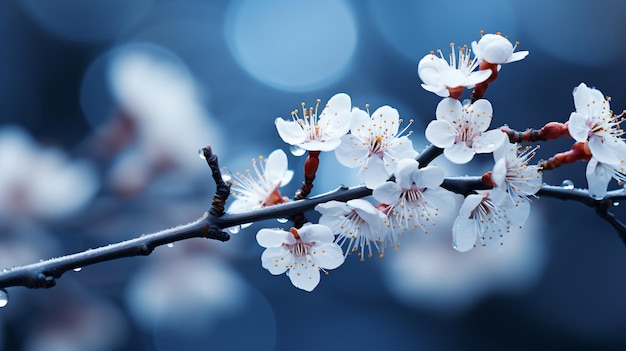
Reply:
x=375, y=144
x=259, y=187
x=302, y=253
x=496, y=49
x=600, y=174
x=413, y=201
x=358, y=224
x=483, y=220
x=448, y=79
x=512, y=174
x=461, y=131
x=318, y=133
x=594, y=122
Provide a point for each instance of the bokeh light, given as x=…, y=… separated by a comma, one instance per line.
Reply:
x=296, y=46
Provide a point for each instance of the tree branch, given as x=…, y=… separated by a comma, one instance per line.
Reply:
x=44, y=274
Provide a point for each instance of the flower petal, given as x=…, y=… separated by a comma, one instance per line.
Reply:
x=480, y=113
x=517, y=210
x=488, y=141
x=373, y=172
x=275, y=167
x=398, y=149
x=290, y=131
x=469, y=205
x=352, y=152
x=321, y=145
x=449, y=109
x=333, y=207
x=459, y=153
x=429, y=177
x=360, y=124
x=327, y=255
x=387, y=192
x=477, y=77
x=274, y=237
x=441, y=133
x=598, y=178
x=276, y=259
x=464, y=234
x=605, y=152
x=405, y=172
x=304, y=274
x=577, y=126
x=385, y=119
x=316, y=232
x=516, y=56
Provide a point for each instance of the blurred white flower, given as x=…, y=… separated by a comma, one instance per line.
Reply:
x=375, y=145
x=357, y=223
x=496, y=49
x=259, y=187
x=302, y=253
x=600, y=174
x=594, y=122
x=461, y=131
x=448, y=79
x=38, y=182
x=170, y=123
x=315, y=133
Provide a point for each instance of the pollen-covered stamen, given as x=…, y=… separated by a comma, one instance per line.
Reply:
x=299, y=248
x=490, y=220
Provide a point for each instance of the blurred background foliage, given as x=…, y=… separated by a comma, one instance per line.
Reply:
x=104, y=104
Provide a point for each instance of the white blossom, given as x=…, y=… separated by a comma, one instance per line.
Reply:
x=512, y=174
x=315, y=132
x=375, y=144
x=302, y=253
x=496, y=49
x=462, y=131
x=447, y=79
x=357, y=223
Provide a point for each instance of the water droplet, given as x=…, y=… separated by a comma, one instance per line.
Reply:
x=78, y=269
x=170, y=245
x=615, y=203
x=597, y=197
x=4, y=298
x=234, y=229
x=201, y=154
x=282, y=220
x=226, y=175
x=296, y=150
x=567, y=184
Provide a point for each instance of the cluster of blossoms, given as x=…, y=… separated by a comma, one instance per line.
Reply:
x=408, y=196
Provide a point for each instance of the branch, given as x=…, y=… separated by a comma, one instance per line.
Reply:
x=44, y=274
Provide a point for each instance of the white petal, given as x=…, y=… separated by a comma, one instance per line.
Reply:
x=516, y=56
x=605, y=152
x=333, y=207
x=276, y=166
x=464, y=234
x=338, y=103
x=477, y=77
x=242, y=205
x=481, y=113
x=488, y=141
x=360, y=124
x=405, y=172
x=577, y=126
x=441, y=133
x=316, y=232
x=352, y=152
x=429, y=177
x=449, y=109
x=387, y=192
x=518, y=211
x=598, y=178
x=373, y=172
x=440, y=90
x=291, y=132
x=459, y=153
x=398, y=149
x=385, y=118
x=498, y=175
x=370, y=214
x=274, y=237
x=317, y=145
x=327, y=255
x=469, y=204
x=286, y=178
x=304, y=274
x=276, y=259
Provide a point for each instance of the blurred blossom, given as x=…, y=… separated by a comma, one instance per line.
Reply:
x=78, y=20
x=293, y=46
x=80, y=323
x=39, y=182
x=169, y=122
x=427, y=272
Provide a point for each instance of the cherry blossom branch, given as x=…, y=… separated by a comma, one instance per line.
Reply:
x=45, y=273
